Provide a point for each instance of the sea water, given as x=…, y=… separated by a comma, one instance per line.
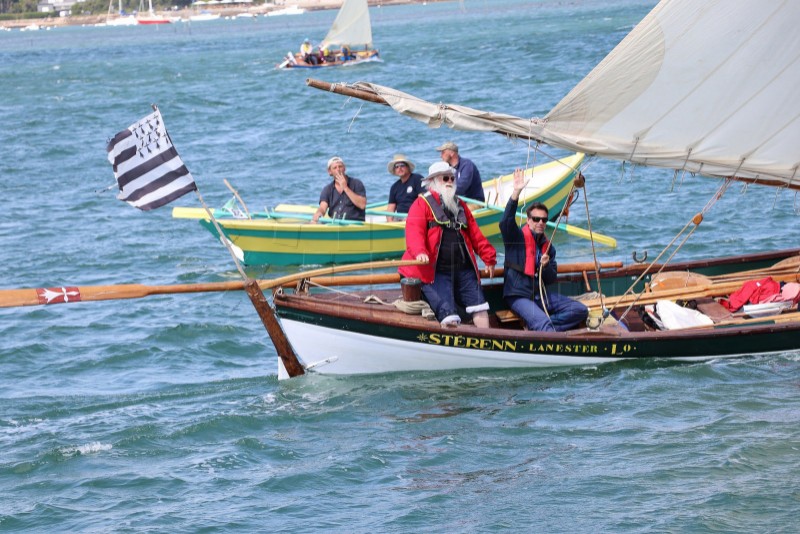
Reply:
x=165, y=414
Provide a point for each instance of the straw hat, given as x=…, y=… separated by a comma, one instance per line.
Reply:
x=399, y=158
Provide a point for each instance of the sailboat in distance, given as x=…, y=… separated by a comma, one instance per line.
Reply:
x=120, y=19
x=150, y=17
x=349, y=41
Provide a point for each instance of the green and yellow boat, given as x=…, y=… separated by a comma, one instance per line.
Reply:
x=285, y=235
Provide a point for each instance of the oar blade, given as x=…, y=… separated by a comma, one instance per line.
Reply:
x=585, y=234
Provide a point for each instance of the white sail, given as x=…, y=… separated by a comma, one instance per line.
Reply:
x=709, y=87
x=351, y=27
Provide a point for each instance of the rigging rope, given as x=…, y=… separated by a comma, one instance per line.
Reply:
x=696, y=220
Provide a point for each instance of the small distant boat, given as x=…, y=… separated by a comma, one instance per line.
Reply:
x=150, y=17
x=119, y=18
x=349, y=41
x=204, y=16
x=128, y=20
x=291, y=10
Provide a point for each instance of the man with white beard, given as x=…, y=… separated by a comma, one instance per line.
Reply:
x=441, y=230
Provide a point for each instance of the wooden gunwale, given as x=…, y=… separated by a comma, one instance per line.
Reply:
x=740, y=336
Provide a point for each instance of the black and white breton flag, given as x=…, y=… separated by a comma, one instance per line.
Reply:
x=148, y=169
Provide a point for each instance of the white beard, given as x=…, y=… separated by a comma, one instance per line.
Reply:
x=447, y=192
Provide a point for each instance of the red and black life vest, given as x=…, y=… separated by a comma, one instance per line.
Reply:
x=531, y=253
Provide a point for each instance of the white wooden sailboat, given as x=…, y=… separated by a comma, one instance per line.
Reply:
x=349, y=41
x=703, y=87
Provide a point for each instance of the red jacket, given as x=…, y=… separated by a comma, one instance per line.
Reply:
x=754, y=292
x=422, y=237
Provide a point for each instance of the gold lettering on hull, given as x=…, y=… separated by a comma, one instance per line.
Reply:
x=534, y=347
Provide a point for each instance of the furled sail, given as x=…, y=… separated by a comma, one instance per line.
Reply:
x=351, y=27
x=707, y=87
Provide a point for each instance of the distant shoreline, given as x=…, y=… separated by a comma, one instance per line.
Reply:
x=226, y=11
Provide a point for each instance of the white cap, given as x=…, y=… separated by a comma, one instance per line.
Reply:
x=333, y=160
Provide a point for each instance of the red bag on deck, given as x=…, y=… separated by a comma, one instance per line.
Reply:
x=754, y=292
x=789, y=292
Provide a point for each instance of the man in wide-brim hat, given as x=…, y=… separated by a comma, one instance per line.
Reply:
x=407, y=187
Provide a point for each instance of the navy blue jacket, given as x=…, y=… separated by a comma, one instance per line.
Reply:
x=517, y=283
x=468, y=180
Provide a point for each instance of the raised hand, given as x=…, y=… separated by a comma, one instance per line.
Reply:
x=519, y=180
x=340, y=179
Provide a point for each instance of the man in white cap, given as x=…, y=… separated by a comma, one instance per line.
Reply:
x=441, y=230
x=343, y=198
x=407, y=187
x=468, y=178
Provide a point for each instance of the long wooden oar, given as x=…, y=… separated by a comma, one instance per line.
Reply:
x=716, y=289
x=10, y=298
x=391, y=278
x=568, y=228
x=785, y=266
x=679, y=279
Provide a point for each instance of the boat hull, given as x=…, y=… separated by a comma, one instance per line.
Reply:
x=340, y=333
x=287, y=241
x=369, y=56
x=340, y=347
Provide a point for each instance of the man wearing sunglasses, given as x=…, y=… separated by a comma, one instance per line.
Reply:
x=441, y=230
x=407, y=187
x=530, y=257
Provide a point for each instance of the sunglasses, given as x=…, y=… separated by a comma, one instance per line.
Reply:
x=537, y=219
x=448, y=178
x=398, y=165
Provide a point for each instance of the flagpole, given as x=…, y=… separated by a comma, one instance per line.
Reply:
x=236, y=194
x=222, y=237
x=265, y=312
